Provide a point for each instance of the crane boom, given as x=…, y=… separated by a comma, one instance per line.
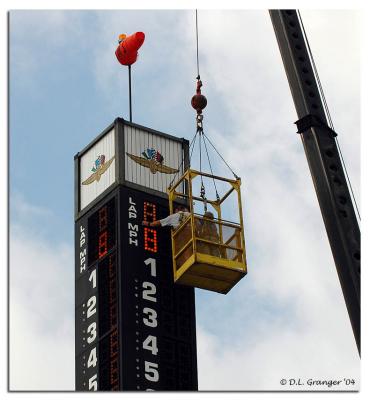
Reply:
x=323, y=159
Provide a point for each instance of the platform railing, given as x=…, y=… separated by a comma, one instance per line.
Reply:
x=205, y=237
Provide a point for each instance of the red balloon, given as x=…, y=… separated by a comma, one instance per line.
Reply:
x=126, y=52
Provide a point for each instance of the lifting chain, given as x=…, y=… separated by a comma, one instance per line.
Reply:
x=203, y=196
x=199, y=120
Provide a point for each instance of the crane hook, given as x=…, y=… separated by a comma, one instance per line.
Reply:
x=199, y=101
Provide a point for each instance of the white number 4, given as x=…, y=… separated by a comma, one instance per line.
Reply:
x=150, y=343
x=91, y=362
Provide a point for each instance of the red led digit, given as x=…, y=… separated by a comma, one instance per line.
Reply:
x=112, y=291
x=113, y=315
x=150, y=235
x=150, y=212
x=114, y=371
x=112, y=270
x=112, y=281
x=114, y=344
x=150, y=240
x=114, y=357
x=103, y=244
x=103, y=218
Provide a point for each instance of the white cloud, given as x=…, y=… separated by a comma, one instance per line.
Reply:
x=39, y=38
x=279, y=353
x=287, y=317
x=25, y=211
x=290, y=262
x=41, y=324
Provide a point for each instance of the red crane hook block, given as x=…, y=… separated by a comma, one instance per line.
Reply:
x=126, y=52
x=198, y=101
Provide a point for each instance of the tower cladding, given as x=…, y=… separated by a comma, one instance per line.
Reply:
x=134, y=328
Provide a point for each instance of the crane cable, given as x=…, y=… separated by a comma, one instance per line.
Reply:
x=200, y=129
x=179, y=167
x=327, y=112
x=199, y=118
x=202, y=135
x=196, y=32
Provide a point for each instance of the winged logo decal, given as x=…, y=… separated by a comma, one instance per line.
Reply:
x=98, y=169
x=153, y=160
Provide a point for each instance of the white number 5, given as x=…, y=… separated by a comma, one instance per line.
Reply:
x=93, y=384
x=151, y=372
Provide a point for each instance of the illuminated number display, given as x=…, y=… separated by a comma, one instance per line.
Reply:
x=144, y=253
x=108, y=323
x=102, y=233
x=150, y=235
x=97, y=333
x=160, y=353
x=102, y=249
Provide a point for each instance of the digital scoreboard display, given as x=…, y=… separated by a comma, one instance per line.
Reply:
x=135, y=329
x=102, y=231
x=97, y=340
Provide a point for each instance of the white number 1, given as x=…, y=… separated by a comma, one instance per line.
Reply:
x=152, y=262
x=92, y=278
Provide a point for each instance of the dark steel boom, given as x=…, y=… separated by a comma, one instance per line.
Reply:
x=323, y=159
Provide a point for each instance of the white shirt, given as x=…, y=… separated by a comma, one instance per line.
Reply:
x=174, y=220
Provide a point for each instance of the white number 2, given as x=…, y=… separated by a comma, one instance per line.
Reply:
x=91, y=306
x=150, y=289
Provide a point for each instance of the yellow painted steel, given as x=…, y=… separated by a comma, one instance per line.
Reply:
x=193, y=261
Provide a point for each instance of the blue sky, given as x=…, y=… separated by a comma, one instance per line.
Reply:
x=287, y=318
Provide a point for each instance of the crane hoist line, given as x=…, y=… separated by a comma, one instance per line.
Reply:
x=208, y=246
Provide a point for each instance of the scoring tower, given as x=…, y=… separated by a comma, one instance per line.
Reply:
x=135, y=328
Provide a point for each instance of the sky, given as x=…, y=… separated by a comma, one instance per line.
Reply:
x=287, y=318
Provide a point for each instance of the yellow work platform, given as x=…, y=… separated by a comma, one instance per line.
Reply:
x=208, y=251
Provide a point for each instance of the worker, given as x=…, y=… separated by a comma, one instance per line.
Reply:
x=208, y=230
x=173, y=220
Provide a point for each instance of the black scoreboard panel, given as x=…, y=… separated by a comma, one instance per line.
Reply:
x=158, y=317
x=135, y=329
x=97, y=299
